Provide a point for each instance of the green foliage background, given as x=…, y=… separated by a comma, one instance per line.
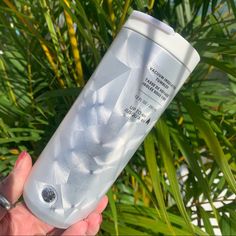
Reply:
x=49, y=49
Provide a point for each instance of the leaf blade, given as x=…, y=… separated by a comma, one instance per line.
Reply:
x=211, y=140
x=166, y=154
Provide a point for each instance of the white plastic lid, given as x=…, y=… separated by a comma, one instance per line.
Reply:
x=165, y=36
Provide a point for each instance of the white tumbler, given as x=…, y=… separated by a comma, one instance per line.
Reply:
x=132, y=86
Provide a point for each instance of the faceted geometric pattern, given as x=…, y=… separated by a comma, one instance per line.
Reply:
x=96, y=138
x=87, y=152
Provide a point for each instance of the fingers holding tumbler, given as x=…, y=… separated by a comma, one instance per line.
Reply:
x=11, y=187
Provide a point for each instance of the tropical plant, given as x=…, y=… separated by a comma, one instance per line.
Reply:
x=181, y=181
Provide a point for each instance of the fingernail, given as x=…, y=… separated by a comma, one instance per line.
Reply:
x=20, y=158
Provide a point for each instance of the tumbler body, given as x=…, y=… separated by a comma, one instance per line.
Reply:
x=130, y=89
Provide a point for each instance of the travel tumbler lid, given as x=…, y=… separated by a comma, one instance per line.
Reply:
x=165, y=36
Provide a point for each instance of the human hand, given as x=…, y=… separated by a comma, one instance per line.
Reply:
x=20, y=221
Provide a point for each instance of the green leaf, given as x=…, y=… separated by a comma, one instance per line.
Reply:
x=150, y=212
x=152, y=226
x=113, y=210
x=143, y=185
x=180, y=15
x=213, y=5
x=150, y=155
x=167, y=157
x=211, y=140
x=58, y=93
x=227, y=226
x=86, y=32
x=206, y=221
x=187, y=10
x=55, y=39
x=19, y=139
x=205, y=10
x=123, y=230
x=185, y=148
x=222, y=65
x=141, y=4
x=233, y=5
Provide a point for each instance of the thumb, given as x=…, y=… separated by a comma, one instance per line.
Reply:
x=12, y=186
